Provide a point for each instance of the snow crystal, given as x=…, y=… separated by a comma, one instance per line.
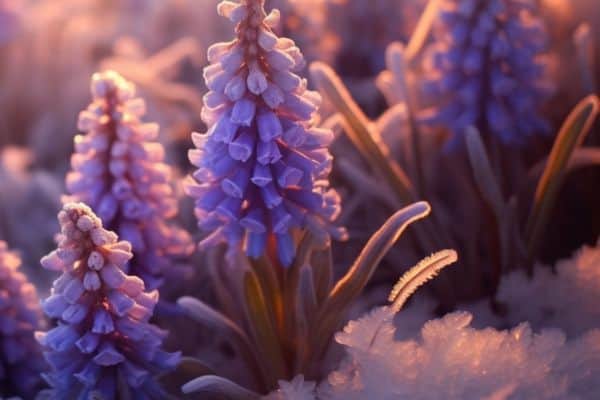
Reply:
x=565, y=299
x=452, y=360
x=296, y=389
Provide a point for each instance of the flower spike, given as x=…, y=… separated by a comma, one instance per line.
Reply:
x=21, y=360
x=262, y=166
x=486, y=69
x=118, y=170
x=103, y=342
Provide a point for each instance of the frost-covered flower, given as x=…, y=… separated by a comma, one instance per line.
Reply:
x=486, y=69
x=262, y=166
x=118, y=170
x=20, y=315
x=103, y=342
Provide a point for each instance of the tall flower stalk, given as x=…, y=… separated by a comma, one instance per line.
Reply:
x=118, y=169
x=20, y=315
x=263, y=166
x=262, y=187
x=102, y=344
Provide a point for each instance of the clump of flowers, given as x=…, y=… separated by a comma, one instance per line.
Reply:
x=486, y=69
x=118, y=170
x=262, y=166
x=103, y=344
x=20, y=315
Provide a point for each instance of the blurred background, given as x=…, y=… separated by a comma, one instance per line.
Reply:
x=50, y=48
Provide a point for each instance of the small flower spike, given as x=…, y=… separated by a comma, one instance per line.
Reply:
x=262, y=166
x=103, y=344
x=118, y=170
x=487, y=68
x=21, y=360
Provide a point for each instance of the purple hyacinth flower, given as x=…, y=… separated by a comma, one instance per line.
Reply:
x=102, y=343
x=262, y=166
x=486, y=69
x=118, y=170
x=21, y=360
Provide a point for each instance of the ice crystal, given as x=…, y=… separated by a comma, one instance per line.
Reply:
x=451, y=360
x=262, y=166
x=296, y=389
x=572, y=306
x=487, y=69
x=103, y=343
x=20, y=357
x=118, y=170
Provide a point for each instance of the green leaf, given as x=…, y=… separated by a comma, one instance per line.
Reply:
x=322, y=265
x=264, y=332
x=187, y=369
x=483, y=173
x=422, y=29
x=571, y=135
x=216, y=387
x=582, y=157
x=349, y=287
x=193, y=367
x=490, y=189
x=205, y=314
x=396, y=60
x=358, y=128
x=269, y=282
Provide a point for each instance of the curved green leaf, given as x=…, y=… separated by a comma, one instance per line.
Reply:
x=571, y=135
x=216, y=387
x=349, y=287
x=358, y=128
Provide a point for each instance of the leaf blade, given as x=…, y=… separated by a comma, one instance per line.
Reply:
x=216, y=385
x=571, y=135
